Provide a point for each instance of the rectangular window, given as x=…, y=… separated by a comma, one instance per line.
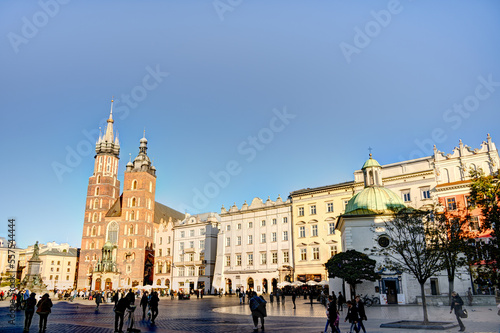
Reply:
x=250, y=239
x=406, y=195
x=250, y=225
x=263, y=223
x=191, y=257
x=168, y=251
x=331, y=228
x=238, y=260
x=426, y=193
x=451, y=204
x=313, y=209
x=333, y=250
x=250, y=259
x=202, y=231
x=159, y=252
x=228, y=241
x=285, y=219
x=228, y=227
x=274, y=221
x=285, y=235
x=263, y=238
x=191, y=233
x=468, y=202
x=202, y=244
x=273, y=237
x=275, y=257
x=346, y=201
x=263, y=258
x=314, y=230
x=181, y=246
x=191, y=244
x=191, y=271
x=301, y=211
x=238, y=226
x=315, y=253
x=201, y=271
x=169, y=239
x=329, y=207
x=473, y=223
x=302, y=232
x=183, y=234
x=238, y=240
x=286, y=259
x=228, y=261
x=181, y=271
x=160, y=240
x=303, y=254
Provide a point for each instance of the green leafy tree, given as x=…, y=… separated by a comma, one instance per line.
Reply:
x=353, y=267
x=413, y=248
x=485, y=194
x=452, y=235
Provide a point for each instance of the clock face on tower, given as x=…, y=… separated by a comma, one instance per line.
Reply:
x=384, y=241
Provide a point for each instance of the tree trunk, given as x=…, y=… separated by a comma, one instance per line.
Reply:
x=424, y=303
x=451, y=287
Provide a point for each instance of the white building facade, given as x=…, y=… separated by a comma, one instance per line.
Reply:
x=194, y=252
x=255, y=246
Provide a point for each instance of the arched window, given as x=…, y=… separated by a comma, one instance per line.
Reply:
x=113, y=232
x=150, y=186
x=98, y=179
x=132, y=215
x=92, y=246
x=131, y=229
x=96, y=204
x=93, y=231
x=97, y=191
x=129, y=243
x=134, y=184
x=133, y=202
x=94, y=218
x=371, y=180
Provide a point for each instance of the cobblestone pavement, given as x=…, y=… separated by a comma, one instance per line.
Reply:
x=213, y=314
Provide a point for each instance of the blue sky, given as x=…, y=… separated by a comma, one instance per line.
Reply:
x=347, y=75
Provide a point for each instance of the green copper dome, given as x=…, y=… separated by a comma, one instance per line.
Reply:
x=374, y=200
x=370, y=163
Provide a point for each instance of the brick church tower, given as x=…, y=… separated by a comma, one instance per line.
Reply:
x=135, y=255
x=102, y=192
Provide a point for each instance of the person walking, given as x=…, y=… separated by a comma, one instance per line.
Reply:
x=282, y=297
x=456, y=304
x=43, y=310
x=469, y=296
x=352, y=317
x=242, y=297
x=258, y=307
x=30, y=310
x=334, y=298
x=153, y=304
x=144, y=304
x=333, y=315
x=341, y=301
x=122, y=305
x=360, y=307
x=131, y=296
x=271, y=297
x=98, y=300
x=294, y=297
x=311, y=297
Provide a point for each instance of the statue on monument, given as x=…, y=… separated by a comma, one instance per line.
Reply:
x=36, y=252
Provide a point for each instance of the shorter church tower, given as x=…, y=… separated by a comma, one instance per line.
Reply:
x=135, y=254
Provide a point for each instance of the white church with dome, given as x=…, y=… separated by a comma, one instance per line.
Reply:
x=362, y=227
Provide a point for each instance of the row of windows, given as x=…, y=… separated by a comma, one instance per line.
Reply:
x=262, y=223
x=312, y=209
x=263, y=258
x=201, y=245
x=109, y=163
x=191, y=271
x=314, y=230
x=190, y=257
x=57, y=278
x=160, y=252
x=425, y=193
x=59, y=262
x=169, y=240
x=263, y=238
x=191, y=232
x=57, y=269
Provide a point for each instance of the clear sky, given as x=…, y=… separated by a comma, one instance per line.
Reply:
x=286, y=94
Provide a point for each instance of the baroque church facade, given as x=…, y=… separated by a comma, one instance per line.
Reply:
x=117, y=249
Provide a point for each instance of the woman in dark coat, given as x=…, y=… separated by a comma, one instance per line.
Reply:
x=43, y=310
x=456, y=304
x=30, y=310
x=352, y=316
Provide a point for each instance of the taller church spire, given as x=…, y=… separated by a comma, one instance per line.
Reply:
x=108, y=144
